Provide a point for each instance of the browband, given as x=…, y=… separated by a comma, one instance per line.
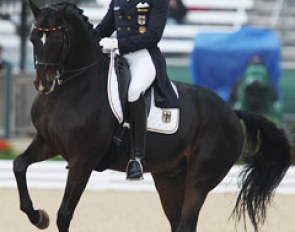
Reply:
x=46, y=29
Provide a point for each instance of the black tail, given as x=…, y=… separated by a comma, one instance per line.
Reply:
x=268, y=158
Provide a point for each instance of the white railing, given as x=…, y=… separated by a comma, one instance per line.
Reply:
x=53, y=174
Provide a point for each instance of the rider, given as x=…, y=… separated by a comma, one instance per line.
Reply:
x=139, y=25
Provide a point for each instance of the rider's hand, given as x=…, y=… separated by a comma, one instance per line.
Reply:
x=109, y=44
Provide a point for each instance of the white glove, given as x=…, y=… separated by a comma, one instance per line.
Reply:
x=109, y=44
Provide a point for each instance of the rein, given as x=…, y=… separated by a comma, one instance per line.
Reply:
x=75, y=73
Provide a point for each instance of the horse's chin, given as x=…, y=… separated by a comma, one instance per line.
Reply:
x=46, y=86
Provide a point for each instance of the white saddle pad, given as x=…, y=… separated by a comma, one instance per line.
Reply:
x=159, y=120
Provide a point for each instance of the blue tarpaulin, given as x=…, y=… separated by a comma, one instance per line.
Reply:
x=219, y=60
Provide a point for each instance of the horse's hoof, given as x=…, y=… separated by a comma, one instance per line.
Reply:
x=43, y=221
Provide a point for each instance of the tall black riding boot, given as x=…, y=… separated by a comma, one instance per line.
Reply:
x=137, y=113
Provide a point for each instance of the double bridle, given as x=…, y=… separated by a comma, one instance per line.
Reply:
x=67, y=74
x=65, y=37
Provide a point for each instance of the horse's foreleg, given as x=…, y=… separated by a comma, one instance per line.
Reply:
x=37, y=151
x=78, y=177
x=170, y=187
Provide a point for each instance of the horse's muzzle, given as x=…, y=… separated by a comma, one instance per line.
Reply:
x=45, y=82
x=44, y=86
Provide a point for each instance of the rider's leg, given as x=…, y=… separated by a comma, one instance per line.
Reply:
x=143, y=73
x=137, y=117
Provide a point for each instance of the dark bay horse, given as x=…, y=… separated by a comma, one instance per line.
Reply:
x=72, y=117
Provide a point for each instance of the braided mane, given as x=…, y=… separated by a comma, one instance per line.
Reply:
x=79, y=14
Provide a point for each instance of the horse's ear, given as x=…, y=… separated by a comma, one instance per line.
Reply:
x=35, y=9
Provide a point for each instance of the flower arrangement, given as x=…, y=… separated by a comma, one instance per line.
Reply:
x=3, y=145
x=6, y=151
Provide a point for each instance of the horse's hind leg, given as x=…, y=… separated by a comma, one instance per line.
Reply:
x=171, y=186
x=206, y=167
x=194, y=200
x=37, y=151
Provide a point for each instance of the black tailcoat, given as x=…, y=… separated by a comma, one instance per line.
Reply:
x=140, y=24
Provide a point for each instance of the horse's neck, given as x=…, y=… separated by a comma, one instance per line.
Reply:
x=82, y=53
x=83, y=46
x=92, y=81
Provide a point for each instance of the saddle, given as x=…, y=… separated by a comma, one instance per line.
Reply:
x=119, y=77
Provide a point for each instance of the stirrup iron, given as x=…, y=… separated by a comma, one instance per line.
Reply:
x=134, y=169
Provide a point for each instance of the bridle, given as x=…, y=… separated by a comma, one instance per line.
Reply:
x=63, y=75
x=65, y=37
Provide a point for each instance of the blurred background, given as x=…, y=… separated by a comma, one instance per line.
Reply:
x=243, y=50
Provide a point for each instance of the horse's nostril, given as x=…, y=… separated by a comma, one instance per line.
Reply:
x=43, y=86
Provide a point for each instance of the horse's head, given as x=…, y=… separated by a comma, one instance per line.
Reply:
x=64, y=43
x=48, y=36
x=50, y=39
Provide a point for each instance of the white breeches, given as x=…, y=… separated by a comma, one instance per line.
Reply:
x=143, y=73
